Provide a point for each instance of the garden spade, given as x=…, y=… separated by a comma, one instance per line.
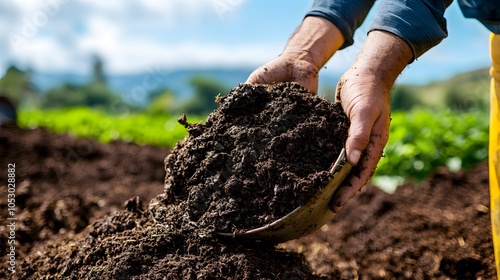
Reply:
x=304, y=219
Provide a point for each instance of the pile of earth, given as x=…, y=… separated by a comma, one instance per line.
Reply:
x=435, y=230
x=261, y=154
x=265, y=151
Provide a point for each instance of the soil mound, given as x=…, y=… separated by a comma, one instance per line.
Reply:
x=261, y=154
x=64, y=183
x=265, y=151
x=160, y=243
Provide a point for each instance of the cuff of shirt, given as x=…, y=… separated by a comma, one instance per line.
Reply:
x=422, y=26
x=346, y=15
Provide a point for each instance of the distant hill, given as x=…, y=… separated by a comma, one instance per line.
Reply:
x=176, y=81
x=468, y=86
x=463, y=90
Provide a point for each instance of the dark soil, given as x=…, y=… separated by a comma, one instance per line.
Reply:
x=264, y=152
x=63, y=183
x=437, y=230
x=160, y=243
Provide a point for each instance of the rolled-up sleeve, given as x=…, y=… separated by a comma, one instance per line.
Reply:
x=419, y=22
x=346, y=15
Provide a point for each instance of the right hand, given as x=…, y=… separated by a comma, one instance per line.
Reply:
x=286, y=68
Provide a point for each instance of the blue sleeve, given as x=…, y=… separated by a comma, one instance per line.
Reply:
x=486, y=11
x=419, y=22
x=346, y=15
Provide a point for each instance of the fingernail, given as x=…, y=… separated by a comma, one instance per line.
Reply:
x=354, y=157
x=335, y=209
x=335, y=205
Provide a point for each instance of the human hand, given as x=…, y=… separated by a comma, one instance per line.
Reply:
x=366, y=102
x=309, y=48
x=285, y=68
x=364, y=92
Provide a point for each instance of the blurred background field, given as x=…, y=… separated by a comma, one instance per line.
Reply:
x=126, y=71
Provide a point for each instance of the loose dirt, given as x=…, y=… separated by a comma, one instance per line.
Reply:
x=264, y=152
x=439, y=229
x=70, y=192
x=64, y=183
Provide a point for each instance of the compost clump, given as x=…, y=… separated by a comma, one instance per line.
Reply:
x=264, y=152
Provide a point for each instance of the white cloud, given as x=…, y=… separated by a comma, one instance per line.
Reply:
x=127, y=54
x=183, y=55
x=46, y=55
x=60, y=35
x=136, y=34
x=105, y=6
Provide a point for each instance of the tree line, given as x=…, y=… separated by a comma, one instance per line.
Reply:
x=18, y=86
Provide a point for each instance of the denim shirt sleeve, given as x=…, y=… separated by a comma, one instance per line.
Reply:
x=346, y=15
x=419, y=22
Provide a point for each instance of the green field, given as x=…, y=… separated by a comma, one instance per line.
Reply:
x=159, y=130
x=420, y=141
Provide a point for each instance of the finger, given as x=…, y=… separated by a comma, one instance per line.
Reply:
x=353, y=183
x=362, y=121
x=269, y=74
x=367, y=166
x=279, y=70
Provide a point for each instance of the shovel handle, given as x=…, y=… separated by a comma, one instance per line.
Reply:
x=494, y=147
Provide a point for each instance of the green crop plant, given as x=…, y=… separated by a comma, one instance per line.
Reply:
x=420, y=141
x=159, y=130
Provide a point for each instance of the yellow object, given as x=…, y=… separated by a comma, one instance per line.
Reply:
x=494, y=146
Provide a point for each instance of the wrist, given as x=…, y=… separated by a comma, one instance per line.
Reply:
x=314, y=41
x=382, y=58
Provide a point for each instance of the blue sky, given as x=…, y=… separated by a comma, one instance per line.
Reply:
x=136, y=35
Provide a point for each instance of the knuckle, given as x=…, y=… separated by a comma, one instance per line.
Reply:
x=359, y=140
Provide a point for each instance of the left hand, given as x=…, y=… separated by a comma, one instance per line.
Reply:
x=366, y=102
x=309, y=48
x=364, y=92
